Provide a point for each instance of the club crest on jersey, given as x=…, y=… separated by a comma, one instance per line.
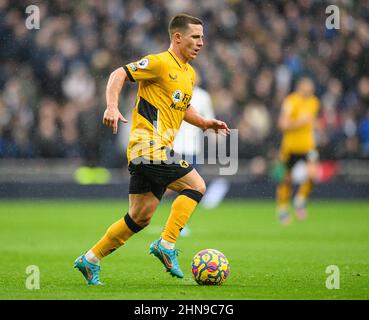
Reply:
x=143, y=63
x=183, y=163
x=177, y=96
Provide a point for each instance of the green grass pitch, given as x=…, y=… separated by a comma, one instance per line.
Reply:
x=267, y=260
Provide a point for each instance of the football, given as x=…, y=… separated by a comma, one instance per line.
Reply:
x=210, y=267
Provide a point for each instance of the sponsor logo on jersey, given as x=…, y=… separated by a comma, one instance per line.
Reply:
x=178, y=97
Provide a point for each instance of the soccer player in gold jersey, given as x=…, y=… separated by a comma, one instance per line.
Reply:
x=296, y=121
x=163, y=101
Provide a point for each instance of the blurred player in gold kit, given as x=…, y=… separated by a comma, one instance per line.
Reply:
x=297, y=121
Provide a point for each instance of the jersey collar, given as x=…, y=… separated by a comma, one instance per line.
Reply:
x=176, y=59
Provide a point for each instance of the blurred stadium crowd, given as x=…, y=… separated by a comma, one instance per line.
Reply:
x=52, y=80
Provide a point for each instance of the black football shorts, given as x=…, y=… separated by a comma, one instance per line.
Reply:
x=155, y=177
x=294, y=158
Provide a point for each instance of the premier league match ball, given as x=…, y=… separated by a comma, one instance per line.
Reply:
x=210, y=267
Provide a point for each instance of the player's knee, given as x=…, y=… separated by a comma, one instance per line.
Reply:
x=197, y=184
x=201, y=187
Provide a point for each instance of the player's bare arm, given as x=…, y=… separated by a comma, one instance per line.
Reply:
x=194, y=118
x=112, y=114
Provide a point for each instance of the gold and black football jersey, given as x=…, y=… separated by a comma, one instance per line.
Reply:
x=300, y=140
x=164, y=94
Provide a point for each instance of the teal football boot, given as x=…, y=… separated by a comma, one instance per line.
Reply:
x=90, y=271
x=168, y=257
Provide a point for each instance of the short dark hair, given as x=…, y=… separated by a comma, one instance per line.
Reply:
x=180, y=23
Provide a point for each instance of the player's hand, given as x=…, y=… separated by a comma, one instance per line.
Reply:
x=218, y=126
x=111, y=118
